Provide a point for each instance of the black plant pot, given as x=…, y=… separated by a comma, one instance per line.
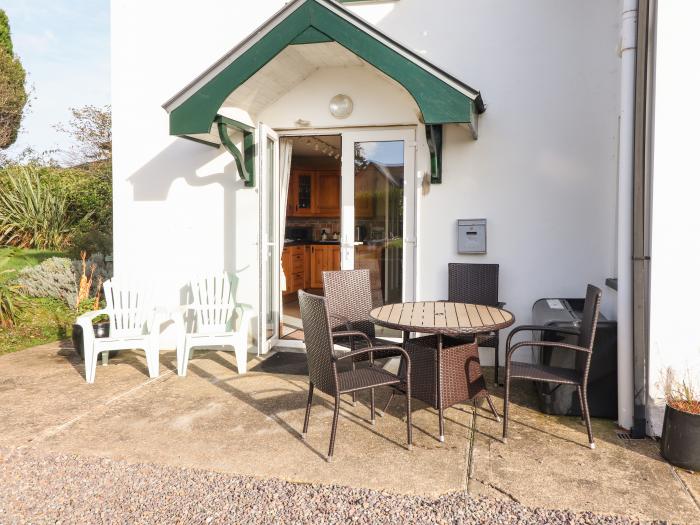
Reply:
x=680, y=439
x=100, y=329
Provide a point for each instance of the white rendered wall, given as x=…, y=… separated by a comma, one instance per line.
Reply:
x=675, y=286
x=543, y=171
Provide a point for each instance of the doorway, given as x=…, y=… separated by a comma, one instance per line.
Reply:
x=350, y=203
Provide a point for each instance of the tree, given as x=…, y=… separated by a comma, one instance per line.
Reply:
x=91, y=128
x=13, y=94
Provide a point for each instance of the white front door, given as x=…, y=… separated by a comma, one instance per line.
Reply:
x=269, y=242
x=378, y=210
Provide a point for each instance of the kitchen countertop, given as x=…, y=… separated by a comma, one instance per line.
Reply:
x=304, y=243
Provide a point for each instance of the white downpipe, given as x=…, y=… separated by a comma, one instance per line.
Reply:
x=625, y=363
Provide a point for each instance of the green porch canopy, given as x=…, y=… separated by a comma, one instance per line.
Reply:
x=440, y=97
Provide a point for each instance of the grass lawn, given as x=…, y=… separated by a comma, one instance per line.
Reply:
x=41, y=321
x=18, y=258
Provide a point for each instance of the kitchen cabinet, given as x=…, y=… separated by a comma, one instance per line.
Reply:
x=323, y=258
x=301, y=197
x=295, y=268
x=327, y=193
x=314, y=193
x=303, y=266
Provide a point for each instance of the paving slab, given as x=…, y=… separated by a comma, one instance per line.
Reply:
x=217, y=420
x=547, y=462
x=44, y=387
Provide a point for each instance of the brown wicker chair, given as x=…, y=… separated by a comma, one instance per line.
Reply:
x=323, y=364
x=577, y=376
x=349, y=298
x=476, y=284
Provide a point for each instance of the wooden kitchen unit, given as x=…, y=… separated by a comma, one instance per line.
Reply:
x=303, y=266
x=314, y=193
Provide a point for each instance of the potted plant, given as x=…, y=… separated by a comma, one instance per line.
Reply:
x=680, y=438
x=84, y=303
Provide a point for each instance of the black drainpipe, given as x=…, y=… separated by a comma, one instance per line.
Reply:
x=641, y=229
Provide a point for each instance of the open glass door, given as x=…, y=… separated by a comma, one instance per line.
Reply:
x=378, y=210
x=268, y=187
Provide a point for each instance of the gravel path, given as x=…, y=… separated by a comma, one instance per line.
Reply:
x=50, y=488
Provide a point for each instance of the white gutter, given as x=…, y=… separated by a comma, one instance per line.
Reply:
x=625, y=363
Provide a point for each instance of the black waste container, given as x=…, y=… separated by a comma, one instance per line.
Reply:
x=602, y=377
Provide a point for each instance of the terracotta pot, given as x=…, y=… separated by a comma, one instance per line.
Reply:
x=100, y=329
x=680, y=439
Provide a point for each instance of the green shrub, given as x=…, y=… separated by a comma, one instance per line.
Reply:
x=88, y=193
x=31, y=216
x=8, y=302
x=58, y=278
x=54, y=278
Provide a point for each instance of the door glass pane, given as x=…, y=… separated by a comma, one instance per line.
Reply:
x=379, y=214
x=272, y=310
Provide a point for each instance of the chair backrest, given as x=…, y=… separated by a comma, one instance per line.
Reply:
x=214, y=299
x=318, y=341
x=587, y=329
x=130, y=306
x=473, y=283
x=349, y=294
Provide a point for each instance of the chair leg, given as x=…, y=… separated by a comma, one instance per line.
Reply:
x=152, y=360
x=105, y=358
x=506, y=401
x=580, y=404
x=336, y=411
x=496, y=359
x=386, y=407
x=591, y=443
x=182, y=359
x=90, y=365
x=373, y=418
x=409, y=425
x=493, y=408
x=241, y=357
x=354, y=394
x=308, y=411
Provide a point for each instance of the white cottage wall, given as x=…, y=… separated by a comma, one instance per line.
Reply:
x=675, y=287
x=543, y=171
x=179, y=208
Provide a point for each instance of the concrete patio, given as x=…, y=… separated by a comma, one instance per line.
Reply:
x=216, y=420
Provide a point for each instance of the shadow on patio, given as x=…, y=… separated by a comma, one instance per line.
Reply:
x=216, y=420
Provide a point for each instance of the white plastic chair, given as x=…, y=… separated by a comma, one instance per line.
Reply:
x=131, y=326
x=216, y=315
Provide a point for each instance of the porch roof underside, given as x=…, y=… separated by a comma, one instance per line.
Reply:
x=440, y=97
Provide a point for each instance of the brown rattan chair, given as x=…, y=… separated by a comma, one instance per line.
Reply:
x=577, y=376
x=476, y=284
x=323, y=364
x=349, y=298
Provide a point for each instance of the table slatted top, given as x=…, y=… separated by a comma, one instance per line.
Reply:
x=442, y=317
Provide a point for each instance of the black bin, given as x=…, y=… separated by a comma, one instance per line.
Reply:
x=602, y=377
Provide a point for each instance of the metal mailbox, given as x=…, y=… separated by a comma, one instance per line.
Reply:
x=471, y=236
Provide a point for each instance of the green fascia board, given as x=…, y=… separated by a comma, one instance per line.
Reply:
x=438, y=101
x=311, y=35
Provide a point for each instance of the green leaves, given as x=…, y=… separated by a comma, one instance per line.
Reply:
x=8, y=300
x=13, y=95
x=32, y=216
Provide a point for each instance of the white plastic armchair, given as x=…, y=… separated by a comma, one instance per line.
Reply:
x=218, y=320
x=131, y=326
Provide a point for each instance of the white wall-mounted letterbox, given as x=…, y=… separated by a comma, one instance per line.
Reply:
x=471, y=235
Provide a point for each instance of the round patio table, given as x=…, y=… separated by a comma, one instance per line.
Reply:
x=444, y=372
